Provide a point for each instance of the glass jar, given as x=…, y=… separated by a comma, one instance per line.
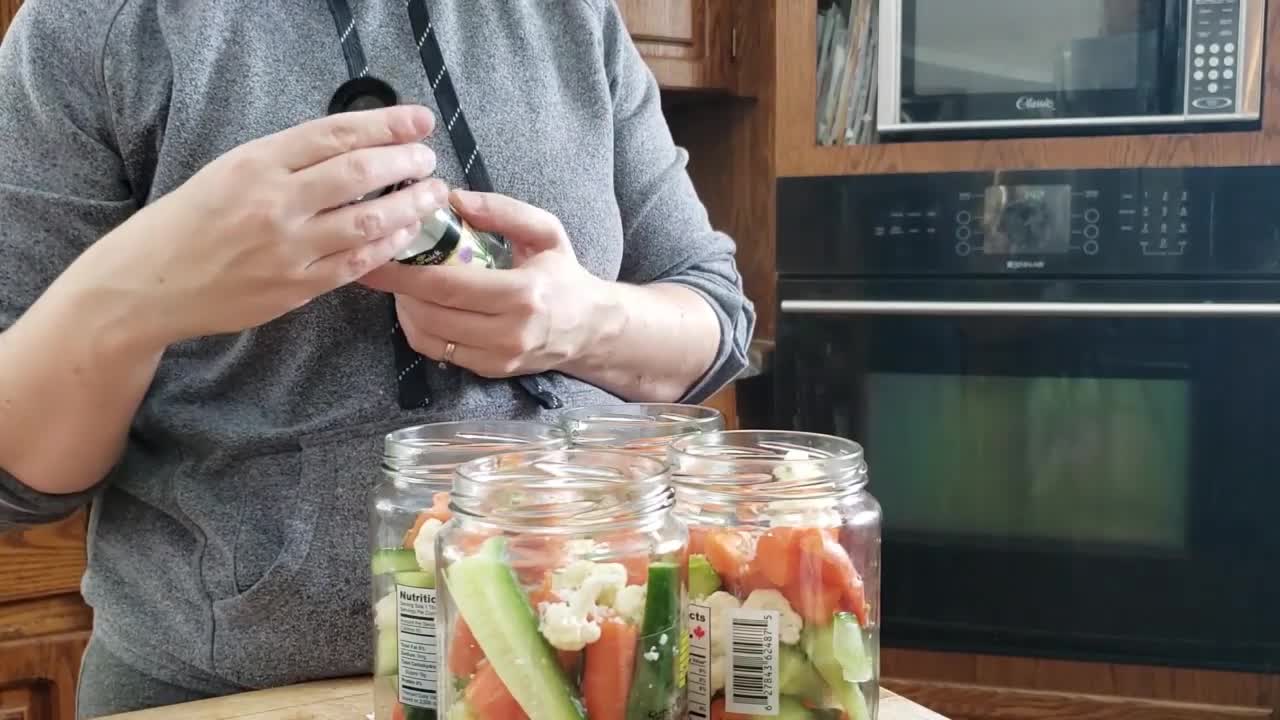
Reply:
x=646, y=428
x=784, y=573
x=564, y=588
x=408, y=508
x=447, y=239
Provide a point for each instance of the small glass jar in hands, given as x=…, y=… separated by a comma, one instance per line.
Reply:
x=408, y=508
x=563, y=588
x=645, y=428
x=784, y=574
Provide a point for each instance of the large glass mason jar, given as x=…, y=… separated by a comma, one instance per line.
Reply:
x=784, y=575
x=645, y=428
x=408, y=508
x=563, y=589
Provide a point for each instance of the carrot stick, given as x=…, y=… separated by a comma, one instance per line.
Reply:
x=464, y=652
x=488, y=698
x=606, y=677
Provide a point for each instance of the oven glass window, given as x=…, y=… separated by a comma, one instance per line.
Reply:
x=1097, y=461
x=981, y=47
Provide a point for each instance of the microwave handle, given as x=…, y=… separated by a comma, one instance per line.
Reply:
x=945, y=308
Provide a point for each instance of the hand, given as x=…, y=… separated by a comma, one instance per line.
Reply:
x=265, y=228
x=537, y=316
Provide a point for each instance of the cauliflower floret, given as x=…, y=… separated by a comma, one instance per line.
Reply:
x=789, y=622
x=424, y=546
x=629, y=603
x=799, y=466
x=567, y=629
x=580, y=547
x=384, y=612
x=586, y=589
x=721, y=604
x=717, y=673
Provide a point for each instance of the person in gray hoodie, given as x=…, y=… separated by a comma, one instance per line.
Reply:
x=198, y=328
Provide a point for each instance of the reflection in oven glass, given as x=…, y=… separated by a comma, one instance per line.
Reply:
x=1055, y=458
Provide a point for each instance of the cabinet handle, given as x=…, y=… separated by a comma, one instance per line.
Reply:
x=1028, y=309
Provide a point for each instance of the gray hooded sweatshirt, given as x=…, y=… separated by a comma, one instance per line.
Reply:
x=228, y=548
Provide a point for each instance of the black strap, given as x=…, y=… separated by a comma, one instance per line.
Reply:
x=410, y=366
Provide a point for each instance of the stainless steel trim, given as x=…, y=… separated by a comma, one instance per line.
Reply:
x=1068, y=122
x=888, y=64
x=1253, y=25
x=932, y=308
x=1188, y=61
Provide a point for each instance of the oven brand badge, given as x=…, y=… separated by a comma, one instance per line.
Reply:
x=1030, y=102
x=1024, y=264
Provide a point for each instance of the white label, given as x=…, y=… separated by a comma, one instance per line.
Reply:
x=416, y=636
x=699, y=698
x=751, y=679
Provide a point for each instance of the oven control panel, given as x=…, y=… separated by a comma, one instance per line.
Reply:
x=1199, y=221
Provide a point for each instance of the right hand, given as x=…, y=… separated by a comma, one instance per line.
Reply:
x=266, y=228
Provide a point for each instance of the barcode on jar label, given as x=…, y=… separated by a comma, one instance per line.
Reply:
x=416, y=642
x=751, y=680
x=699, y=679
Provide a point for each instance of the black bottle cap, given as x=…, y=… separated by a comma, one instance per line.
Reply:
x=364, y=93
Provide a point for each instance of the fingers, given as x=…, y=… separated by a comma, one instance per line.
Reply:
x=352, y=226
x=461, y=326
x=329, y=137
x=523, y=224
x=431, y=342
x=342, y=179
x=464, y=287
x=345, y=267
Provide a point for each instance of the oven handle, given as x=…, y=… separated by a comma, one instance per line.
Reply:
x=1028, y=309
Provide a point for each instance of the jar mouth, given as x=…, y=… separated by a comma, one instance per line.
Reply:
x=431, y=452
x=563, y=491
x=767, y=466
x=638, y=427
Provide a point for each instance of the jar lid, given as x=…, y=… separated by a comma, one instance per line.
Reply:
x=362, y=93
x=647, y=428
x=430, y=452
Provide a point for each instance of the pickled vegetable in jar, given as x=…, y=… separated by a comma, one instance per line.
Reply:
x=646, y=428
x=563, y=589
x=408, y=508
x=784, y=575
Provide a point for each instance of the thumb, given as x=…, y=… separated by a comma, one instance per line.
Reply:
x=530, y=229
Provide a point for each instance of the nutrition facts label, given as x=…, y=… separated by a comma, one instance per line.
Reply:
x=699, y=698
x=419, y=665
x=751, y=682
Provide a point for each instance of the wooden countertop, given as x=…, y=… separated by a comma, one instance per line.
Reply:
x=350, y=700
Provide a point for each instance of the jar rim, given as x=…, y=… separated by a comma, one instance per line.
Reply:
x=767, y=466
x=638, y=427
x=563, y=491
x=430, y=452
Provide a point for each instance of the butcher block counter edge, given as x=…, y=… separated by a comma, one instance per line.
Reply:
x=351, y=699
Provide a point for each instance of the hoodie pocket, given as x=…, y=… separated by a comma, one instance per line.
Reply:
x=307, y=615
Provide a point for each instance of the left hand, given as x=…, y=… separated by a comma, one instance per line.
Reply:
x=537, y=316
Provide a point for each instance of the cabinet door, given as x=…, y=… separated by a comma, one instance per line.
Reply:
x=687, y=43
x=7, y=10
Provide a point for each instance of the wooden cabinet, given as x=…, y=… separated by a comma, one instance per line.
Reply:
x=44, y=623
x=7, y=10
x=689, y=44
x=980, y=687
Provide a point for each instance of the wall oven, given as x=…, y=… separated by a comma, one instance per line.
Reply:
x=979, y=68
x=1068, y=386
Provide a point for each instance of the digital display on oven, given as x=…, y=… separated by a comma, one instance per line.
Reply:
x=1026, y=220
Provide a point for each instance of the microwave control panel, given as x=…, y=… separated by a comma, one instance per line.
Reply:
x=1212, y=56
x=1199, y=221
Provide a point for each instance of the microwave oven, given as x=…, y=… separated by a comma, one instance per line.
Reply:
x=999, y=68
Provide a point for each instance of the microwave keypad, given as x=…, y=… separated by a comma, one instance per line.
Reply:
x=1213, y=57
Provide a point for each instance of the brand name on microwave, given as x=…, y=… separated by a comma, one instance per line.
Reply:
x=1024, y=264
x=1030, y=102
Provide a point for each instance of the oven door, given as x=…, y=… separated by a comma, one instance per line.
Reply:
x=1062, y=473
x=988, y=62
